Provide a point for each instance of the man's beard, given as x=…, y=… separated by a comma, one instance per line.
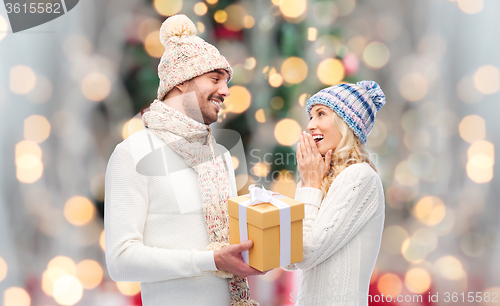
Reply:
x=193, y=106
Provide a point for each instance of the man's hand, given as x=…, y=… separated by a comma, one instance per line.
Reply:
x=229, y=259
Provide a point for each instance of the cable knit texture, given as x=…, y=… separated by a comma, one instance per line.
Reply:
x=155, y=227
x=342, y=235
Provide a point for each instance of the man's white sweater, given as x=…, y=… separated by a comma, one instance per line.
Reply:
x=154, y=225
x=342, y=236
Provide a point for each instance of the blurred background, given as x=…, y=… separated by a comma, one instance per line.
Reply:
x=73, y=88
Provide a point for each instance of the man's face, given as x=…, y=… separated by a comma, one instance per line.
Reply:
x=210, y=89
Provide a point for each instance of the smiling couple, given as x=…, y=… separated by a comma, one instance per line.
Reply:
x=171, y=232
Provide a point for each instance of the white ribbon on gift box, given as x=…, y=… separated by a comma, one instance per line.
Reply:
x=258, y=196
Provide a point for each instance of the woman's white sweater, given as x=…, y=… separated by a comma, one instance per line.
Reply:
x=342, y=236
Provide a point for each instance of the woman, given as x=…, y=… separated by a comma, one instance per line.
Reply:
x=343, y=196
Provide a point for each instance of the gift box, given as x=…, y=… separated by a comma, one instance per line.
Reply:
x=273, y=223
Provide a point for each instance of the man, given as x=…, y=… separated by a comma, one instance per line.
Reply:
x=167, y=186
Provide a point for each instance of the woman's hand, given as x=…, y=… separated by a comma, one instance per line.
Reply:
x=311, y=165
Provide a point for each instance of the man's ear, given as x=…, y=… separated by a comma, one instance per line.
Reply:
x=182, y=87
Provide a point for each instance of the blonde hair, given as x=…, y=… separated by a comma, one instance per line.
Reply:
x=349, y=151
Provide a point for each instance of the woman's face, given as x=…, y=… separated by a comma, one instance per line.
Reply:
x=326, y=136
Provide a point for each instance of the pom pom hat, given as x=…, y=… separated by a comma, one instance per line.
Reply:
x=356, y=104
x=186, y=55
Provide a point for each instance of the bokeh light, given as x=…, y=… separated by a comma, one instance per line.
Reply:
x=487, y=79
x=132, y=126
x=22, y=79
x=312, y=34
x=63, y=262
x=200, y=8
x=376, y=55
x=153, y=46
x=303, y=98
x=250, y=63
x=390, y=284
x=96, y=86
x=261, y=169
x=470, y=6
x=293, y=8
x=484, y=148
x=480, y=169
x=49, y=277
x=413, y=87
x=89, y=273
x=346, y=7
x=287, y=132
x=239, y=99
x=4, y=26
x=36, y=128
x=413, y=250
x=102, y=241
x=28, y=160
x=16, y=296
x=248, y=21
x=275, y=80
x=129, y=288
x=200, y=27
x=167, y=8
x=260, y=116
x=68, y=290
x=404, y=176
x=3, y=269
x=79, y=210
x=220, y=16
x=449, y=267
x=277, y=103
x=357, y=45
x=417, y=280
x=490, y=294
x=472, y=128
x=294, y=70
x=235, y=17
x=330, y=71
x=147, y=26
x=429, y=210
x=235, y=161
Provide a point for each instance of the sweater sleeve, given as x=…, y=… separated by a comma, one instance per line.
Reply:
x=126, y=208
x=311, y=197
x=351, y=201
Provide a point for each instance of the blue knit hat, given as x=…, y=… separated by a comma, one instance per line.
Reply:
x=356, y=104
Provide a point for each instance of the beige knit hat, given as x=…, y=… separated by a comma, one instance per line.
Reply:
x=186, y=55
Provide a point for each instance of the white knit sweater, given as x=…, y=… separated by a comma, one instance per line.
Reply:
x=342, y=235
x=154, y=225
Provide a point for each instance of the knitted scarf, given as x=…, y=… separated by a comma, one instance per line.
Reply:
x=194, y=142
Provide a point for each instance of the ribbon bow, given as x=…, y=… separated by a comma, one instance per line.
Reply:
x=259, y=195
